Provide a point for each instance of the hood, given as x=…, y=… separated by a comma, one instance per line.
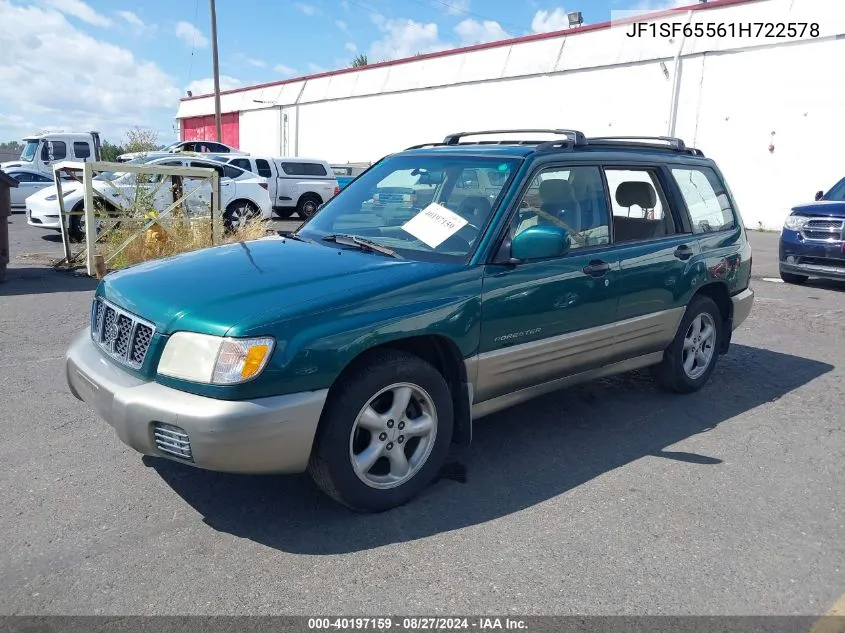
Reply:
x=71, y=198
x=823, y=208
x=261, y=281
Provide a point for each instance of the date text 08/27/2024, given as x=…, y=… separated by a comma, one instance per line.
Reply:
x=417, y=624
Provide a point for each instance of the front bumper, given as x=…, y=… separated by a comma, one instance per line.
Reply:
x=742, y=303
x=41, y=218
x=811, y=258
x=266, y=435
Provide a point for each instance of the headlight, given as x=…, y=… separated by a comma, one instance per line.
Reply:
x=214, y=359
x=65, y=194
x=796, y=222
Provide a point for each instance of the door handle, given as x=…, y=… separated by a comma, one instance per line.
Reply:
x=596, y=268
x=683, y=252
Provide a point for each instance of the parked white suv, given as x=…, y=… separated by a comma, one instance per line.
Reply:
x=296, y=184
x=242, y=194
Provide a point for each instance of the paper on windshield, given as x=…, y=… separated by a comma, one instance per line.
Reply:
x=434, y=225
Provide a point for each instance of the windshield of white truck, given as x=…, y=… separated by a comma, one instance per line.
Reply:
x=29, y=150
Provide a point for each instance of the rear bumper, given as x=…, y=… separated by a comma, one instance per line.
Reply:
x=742, y=304
x=267, y=435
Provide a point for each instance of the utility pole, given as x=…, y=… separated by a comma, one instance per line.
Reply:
x=216, y=73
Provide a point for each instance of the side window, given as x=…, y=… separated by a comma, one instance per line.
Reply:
x=81, y=149
x=216, y=148
x=263, y=168
x=40, y=178
x=54, y=150
x=572, y=198
x=158, y=177
x=706, y=199
x=640, y=211
x=22, y=176
x=231, y=172
x=243, y=163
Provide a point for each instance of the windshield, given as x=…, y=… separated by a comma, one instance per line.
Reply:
x=29, y=150
x=838, y=192
x=431, y=208
x=171, y=147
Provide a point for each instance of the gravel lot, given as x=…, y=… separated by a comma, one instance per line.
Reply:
x=609, y=498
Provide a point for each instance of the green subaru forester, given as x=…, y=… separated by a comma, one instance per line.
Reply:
x=449, y=281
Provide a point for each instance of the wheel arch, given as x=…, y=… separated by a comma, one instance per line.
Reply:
x=443, y=354
x=310, y=194
x=718, y=292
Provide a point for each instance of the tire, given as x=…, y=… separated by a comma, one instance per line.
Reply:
x=671, y=373
x=237, y=212
x=384, y=484
x=283, y=213
x=307, y=206
x=76, y=227
x=793, y=279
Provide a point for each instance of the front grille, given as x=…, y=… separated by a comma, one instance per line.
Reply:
x=172, y=440
x=122, y=335
x=824, y=230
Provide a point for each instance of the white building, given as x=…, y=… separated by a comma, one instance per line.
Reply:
x=768, y=109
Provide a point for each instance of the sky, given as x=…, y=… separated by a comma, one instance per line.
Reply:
x=108, y=65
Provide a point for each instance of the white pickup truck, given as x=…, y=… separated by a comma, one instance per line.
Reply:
x=295, y=184
x=42, y=151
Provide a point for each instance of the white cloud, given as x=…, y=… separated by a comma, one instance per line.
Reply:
x=131, y=18
x=282, y=69
x=341, y=25
x=191, y=35
x=351, y=47
x=316, y=69
x=79, y=10
x=257, y=63
x=549, y=21
x=206, y=86
x=109, y=89
x=455, y=7
x=403, y=38
x=475, y=32
x=307, y=9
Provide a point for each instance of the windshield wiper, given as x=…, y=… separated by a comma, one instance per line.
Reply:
x=294, y=236
x=360, y=242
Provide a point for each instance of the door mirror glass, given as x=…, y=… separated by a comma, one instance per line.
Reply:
x=541, y=242
x=819, y=195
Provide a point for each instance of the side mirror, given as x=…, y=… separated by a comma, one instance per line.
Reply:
x=540, y=242
x=819, y=195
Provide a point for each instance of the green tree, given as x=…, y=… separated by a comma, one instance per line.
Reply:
x=110, y=151
x=360, y=60
x=140, y=139
x=11, y=146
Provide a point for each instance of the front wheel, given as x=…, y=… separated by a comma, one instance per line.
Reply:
x=385, y=432
x=691, y=358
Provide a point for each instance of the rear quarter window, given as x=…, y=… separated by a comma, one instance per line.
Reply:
x=263, y=168
x=706, y=199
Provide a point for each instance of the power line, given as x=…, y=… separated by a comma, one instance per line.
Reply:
x=475, y=15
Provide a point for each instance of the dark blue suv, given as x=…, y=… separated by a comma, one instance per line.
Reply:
x=812, y=243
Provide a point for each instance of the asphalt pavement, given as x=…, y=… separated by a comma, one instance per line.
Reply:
x=608, y=498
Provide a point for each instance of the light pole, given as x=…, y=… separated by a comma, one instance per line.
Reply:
x=216, y=73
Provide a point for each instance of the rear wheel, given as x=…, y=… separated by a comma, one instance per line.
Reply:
x=691, y=358
x=307, y=206
x=284, y=213
x=238, y=213
x=385, y=432
x=793, y=279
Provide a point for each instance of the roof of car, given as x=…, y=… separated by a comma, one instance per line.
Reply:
x=568, y=142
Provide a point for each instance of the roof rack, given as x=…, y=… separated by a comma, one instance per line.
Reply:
x=577, y=137
x=669, y=142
